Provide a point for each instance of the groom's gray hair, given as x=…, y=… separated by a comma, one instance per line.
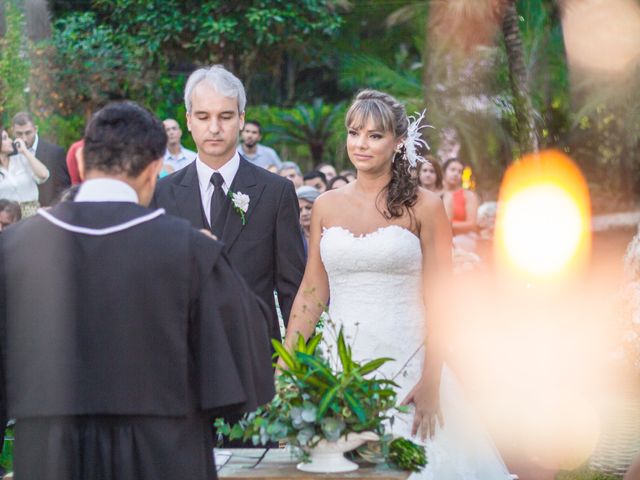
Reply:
x=222, y=80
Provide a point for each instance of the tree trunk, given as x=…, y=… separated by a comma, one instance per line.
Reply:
x=38, y=19
x=317, y=151
x=526, y=126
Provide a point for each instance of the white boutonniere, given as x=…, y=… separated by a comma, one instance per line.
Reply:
x=240, y=204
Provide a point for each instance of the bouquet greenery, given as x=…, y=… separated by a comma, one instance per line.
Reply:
x=315, y=401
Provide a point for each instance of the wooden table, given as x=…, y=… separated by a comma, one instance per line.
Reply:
x=278, y=464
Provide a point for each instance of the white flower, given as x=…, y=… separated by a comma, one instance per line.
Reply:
x=241, y=201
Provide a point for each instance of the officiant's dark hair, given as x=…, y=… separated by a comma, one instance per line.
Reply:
x=123, y=138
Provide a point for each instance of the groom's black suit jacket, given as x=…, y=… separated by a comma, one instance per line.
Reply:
x=268, y=250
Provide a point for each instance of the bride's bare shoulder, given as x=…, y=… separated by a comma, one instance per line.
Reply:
x=331, y=199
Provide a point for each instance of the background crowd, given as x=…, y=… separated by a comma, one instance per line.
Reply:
x=36, y=173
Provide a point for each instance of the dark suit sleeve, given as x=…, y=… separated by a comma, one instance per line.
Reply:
x=55, y=160
x=230, y=335
x=289, y=255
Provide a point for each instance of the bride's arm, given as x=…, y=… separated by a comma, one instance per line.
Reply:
x=313, y=293
x=435, y=239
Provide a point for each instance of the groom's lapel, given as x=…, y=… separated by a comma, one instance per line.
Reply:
x=244, y=182
x=187, y=194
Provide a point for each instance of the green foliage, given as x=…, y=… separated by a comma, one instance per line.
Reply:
x=407, y=455
x=6, y=458
x=310, y=125
x=366, y=70
x=87, y=64
x=313, y=401
x=64, y=130
x=241, y=34
x=14, y=62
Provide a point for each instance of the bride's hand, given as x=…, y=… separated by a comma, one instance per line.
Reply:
x=426, y=398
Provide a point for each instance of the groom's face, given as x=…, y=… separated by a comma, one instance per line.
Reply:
x=214, y=123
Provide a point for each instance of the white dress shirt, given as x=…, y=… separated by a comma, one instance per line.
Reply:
x=18, y=182
x=106, y=190
x=228, y=172
x=34, y=147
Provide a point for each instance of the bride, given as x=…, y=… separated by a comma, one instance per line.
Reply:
x=379, y=248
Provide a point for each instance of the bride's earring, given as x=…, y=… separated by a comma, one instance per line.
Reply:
x=396, y=151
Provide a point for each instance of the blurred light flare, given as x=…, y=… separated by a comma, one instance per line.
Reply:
x=544, y=217
x=543, y=229
x=602, y=36
x=528, y=339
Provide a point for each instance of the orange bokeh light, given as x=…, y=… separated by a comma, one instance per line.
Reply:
x=544, y=217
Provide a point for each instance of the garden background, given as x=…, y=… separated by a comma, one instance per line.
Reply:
x=493, y=75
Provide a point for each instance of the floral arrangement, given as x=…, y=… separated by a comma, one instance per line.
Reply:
x=315, y=401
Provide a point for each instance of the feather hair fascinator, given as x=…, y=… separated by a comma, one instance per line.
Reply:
x=414, y=139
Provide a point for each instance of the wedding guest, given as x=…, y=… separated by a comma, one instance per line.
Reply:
x=176, y=155
x=461, y=206
x=253, y=150
x=306, y=197
x=20, y=174
x=10, y=213
x=348, y=174
x=118, y=361
x=328, y=170
x=261, y=233
x=430, y=175
x=52, y=156
x=72, y=162
x=337, y=182
x=316, y=179
x=292, y=171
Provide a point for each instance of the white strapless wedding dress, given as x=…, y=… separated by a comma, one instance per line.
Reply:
x=375, y=285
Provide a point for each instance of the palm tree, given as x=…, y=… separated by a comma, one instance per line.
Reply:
x=310, y=125
x=525, y=118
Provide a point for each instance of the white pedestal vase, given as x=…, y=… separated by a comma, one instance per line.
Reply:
x=328, y=457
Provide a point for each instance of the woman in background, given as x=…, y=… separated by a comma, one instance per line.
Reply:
x=430, y=175
x=461, y=206
x=20, y=174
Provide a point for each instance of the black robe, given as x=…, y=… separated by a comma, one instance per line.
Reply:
x=119, y=348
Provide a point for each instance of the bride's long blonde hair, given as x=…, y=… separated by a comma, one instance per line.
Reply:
x=389, y=115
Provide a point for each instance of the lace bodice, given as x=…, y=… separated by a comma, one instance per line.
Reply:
x=375, y=284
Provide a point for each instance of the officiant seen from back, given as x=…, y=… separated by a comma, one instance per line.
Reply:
x=127, y=330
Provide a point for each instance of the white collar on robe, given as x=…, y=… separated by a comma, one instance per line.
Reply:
x=103, y=190
x=106, y=190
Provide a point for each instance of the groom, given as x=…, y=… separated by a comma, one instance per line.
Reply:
x=262, y=239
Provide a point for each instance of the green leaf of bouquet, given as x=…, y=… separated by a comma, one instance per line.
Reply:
x=343, y=353
x=326, y=401
x=386, y=392
x=373, y=365
x=313, y=344
x=318, y=366
x=315, y=381
x=391, y=383
x=237, y=432
x=282, y=352
x=355, y=405
x=301, y=344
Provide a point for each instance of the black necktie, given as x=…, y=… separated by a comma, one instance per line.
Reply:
x=217, y=202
